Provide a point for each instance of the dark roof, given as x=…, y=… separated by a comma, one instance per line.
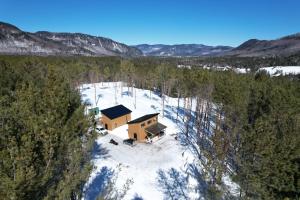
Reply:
x=155, y=128
x=116, y=111
x=143, y=118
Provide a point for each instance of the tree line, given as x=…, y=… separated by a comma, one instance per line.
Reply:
x=45, y=145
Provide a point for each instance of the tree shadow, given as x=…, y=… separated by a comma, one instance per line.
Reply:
x=99, y=152
x=126, y=93
x=173, y=184
x=154, y=107
x=181, y=111
x=170, y=112
x=204, y=188
x=137, y=197
x=202, y=185
x=146, y=95
x=98, y=184
x=157, y=92
x=155, y=99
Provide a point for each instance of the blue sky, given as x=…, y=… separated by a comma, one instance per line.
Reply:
x=211, y=22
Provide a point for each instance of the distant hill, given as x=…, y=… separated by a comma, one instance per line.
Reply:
x=15, y=41
x=284, y=46
x=182, y=50
x=258, y=48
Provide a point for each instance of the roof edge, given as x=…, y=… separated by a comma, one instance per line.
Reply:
x=135, y=121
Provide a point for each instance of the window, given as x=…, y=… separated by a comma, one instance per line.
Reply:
x=149, y=122
x=143, y=124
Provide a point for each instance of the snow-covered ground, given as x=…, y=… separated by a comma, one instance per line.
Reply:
x=273, y=71
x=242, y=70
x=281, y=70
x=155, y=169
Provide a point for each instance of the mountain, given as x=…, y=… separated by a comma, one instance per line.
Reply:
x=280, y=47
x=15, y=41
x=182, y=50
x=284, y=46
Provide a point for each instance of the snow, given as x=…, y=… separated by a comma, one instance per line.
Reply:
x=116, y=47
x=146, y=164
x=155, y=49
x=184, y=66
x=273, y=71
x=281, y=70
x=241, y=70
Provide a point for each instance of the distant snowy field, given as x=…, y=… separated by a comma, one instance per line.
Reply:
x=281, y=70
x=146, y=164
x=273, y=70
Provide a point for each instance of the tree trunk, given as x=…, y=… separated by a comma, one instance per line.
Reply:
x=116, y=102
x=178, y=96
x=95, y=94
x=121, y=89
x=163, y=100
x=135, y=99
x=128, y=85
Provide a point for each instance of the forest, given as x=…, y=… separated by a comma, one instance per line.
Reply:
x=46, y=146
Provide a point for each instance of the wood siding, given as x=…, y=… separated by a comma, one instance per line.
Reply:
x=111, y=124
x=139, y=130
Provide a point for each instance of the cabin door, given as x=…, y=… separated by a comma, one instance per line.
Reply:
x=106, y=127
x=135, y=136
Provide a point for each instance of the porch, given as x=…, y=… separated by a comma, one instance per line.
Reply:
x=155, y=131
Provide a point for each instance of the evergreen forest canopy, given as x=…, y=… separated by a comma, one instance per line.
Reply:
x=46, y=147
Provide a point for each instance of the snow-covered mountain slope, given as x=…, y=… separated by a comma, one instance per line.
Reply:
x=182, y=50
x=15, y=41
x=153, y=168
x=281, y=70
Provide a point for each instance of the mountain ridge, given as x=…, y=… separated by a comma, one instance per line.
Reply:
x=284, y=46
x=15, y=41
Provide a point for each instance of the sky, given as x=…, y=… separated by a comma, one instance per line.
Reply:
x=210, y=22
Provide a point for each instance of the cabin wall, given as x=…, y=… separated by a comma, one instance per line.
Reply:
x=115, y=123
x=140, y=130
x=134, y=128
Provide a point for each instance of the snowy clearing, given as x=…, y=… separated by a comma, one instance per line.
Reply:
x=281, y=70
x=155, y=169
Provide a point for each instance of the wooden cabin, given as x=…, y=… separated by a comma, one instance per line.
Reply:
x=114, y=117
x=146, y=128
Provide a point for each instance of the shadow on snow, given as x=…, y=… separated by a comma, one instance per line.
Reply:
x=102, y=177
x=127, y=93
x=137, y=197
x=173, y=184
x=98, y=184
x=99, y=152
